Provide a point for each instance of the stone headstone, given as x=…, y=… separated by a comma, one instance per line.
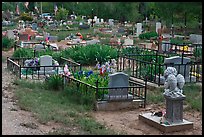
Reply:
x=80, y=23
x=110, y=22
x=102, y=20
x=34, y=26
x=89, y=21
x=177, y=61
x=10, y=34
x=119, y=79
x=139, y=29
x=128, y=42
x=39, y=47
x=195, y=39
x=97, y=21
x=95, y=18
x=46, y=60
x=158, y=26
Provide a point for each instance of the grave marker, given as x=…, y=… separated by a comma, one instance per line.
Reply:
x=46, y=60
x=139, y=29
x=119, y=79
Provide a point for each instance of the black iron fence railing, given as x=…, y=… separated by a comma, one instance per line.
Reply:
x=138, y=90
x=17, y=66
x=153, y=71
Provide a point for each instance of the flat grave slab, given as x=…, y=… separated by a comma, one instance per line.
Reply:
x=155, y=122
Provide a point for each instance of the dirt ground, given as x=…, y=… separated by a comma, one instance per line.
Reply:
x=19, y=122
x=127, y=121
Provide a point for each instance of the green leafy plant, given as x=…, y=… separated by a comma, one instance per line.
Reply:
x=7, y=43
x=148, y=35
x=23, y=52
x=54, y=82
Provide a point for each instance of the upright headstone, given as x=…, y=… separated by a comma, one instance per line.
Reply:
x=89, y=21
x=95, y=18
x=195, y=39
x=183, y=69
x=102, y=20
x=119, y=79
x=110, y=22
x=158, y=26
x=46, y=60
x=139, y=29
x=10, y=34
x=97, y=21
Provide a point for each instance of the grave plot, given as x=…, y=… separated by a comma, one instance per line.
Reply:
x=112, y=91
x=39, y=68
x=151, y=65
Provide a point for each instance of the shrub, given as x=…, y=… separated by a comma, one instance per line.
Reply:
x=86, y=55
x=23, y=53
x=54, y=82
x=26, y=17
x=148, y=35
x=7, y=43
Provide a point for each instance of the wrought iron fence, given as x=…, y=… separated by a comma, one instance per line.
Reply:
x=137, y=89
x=153, y=71
x=17, y=66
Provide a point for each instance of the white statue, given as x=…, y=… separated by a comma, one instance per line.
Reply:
x=173, y=83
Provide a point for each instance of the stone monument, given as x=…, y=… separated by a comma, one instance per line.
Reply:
x=172, y=120
x=173, y=93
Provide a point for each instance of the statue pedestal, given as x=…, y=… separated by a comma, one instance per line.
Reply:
x=174, y=109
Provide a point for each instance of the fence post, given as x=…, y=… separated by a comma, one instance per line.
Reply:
x=20, y=72
x=96, y=95
x=96, y=90
x=159, y=75
x=145, y=95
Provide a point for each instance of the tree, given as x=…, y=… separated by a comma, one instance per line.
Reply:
x=62, y=14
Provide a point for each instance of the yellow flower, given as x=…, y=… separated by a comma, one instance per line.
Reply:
x=185, y=48
x=195, y=74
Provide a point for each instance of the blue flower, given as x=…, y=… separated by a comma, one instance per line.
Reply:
x=89, y=73
x=80, y=72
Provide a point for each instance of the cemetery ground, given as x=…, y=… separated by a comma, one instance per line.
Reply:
x=29, y=109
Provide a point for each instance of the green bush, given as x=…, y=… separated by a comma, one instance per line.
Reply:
x=86, y=55
x=7, y=43
x=148, y=35
x=26, y=17
x=179, y=41
x=54, y=82
x=23, y=53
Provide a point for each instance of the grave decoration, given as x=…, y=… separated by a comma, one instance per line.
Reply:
x=172, y=119
x=36, y=66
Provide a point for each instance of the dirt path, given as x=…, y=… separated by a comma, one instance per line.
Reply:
x=14, y=120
